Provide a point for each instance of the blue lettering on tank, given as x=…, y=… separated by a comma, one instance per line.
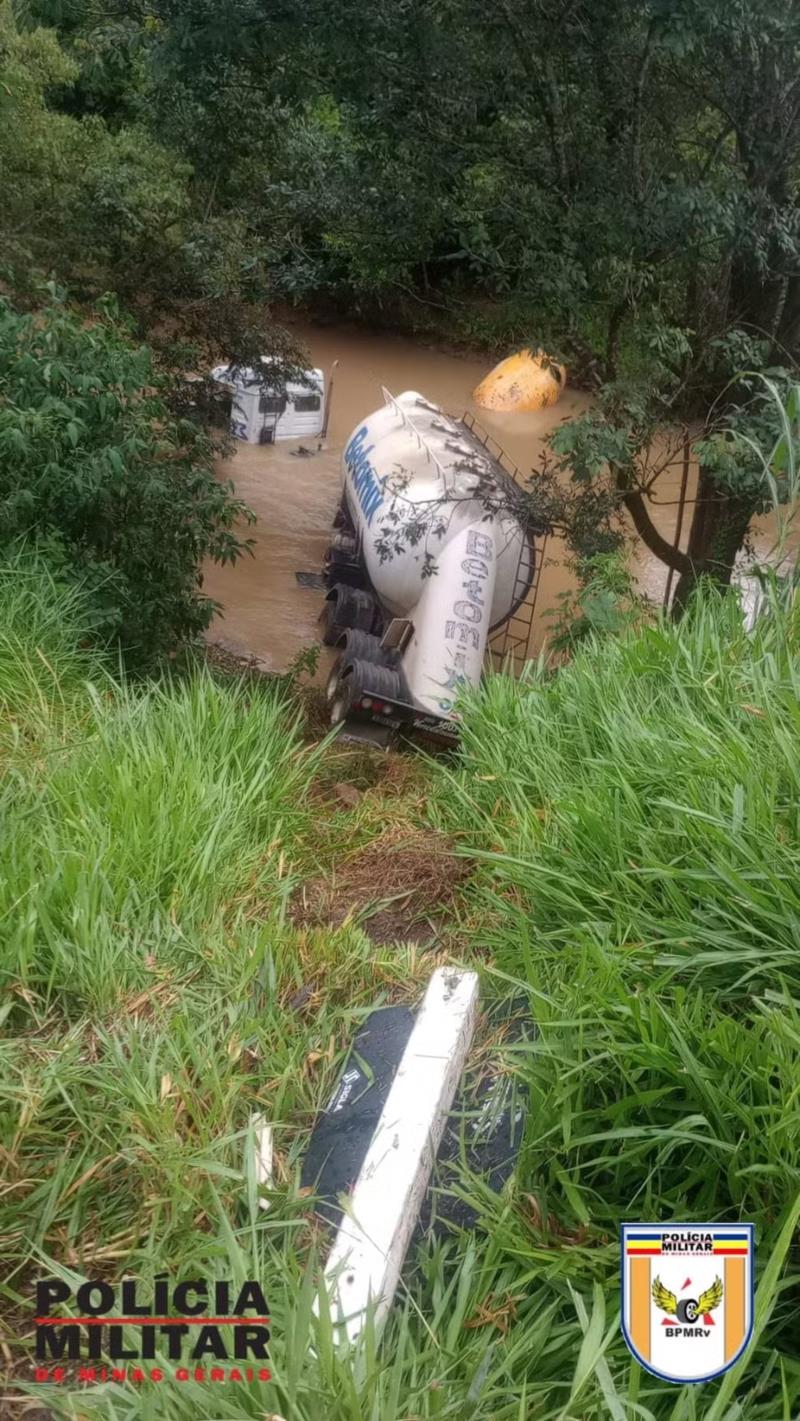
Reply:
x=365, y=480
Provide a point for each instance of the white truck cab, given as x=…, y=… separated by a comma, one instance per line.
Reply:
x=260, y=415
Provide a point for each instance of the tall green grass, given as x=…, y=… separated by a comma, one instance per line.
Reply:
x=633, y=821
x=135, y=819
x=153, y=835
x=636, y=818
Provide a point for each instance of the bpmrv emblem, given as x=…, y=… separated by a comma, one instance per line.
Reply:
x=687, y=1297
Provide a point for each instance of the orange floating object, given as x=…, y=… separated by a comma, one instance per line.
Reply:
x=528, y=380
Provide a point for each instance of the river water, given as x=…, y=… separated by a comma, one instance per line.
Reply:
x=266, y=612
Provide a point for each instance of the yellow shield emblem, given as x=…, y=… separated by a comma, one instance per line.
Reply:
x=687, y=1297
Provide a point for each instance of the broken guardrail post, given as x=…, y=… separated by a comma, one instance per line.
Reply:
x=364, y=1265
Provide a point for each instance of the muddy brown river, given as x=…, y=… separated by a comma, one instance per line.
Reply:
x=266, y=612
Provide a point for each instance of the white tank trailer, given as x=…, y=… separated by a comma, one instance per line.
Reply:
x=427, y=558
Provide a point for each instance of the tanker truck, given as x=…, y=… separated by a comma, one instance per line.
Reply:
x=429, y=556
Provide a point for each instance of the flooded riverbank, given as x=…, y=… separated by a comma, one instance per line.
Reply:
x=294, y=497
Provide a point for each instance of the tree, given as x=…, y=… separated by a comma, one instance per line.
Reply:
x=622, y=448
x=101, y=207
x=729, y=246
x=97, y=469
x=105, y=205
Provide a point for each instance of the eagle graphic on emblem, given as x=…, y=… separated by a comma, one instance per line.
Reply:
x=688, y=1309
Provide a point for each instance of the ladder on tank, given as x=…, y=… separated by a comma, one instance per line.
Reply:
x=511, y=643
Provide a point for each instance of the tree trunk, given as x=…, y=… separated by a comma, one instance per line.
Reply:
x=719, y=527
x=758, y=296
x=788, y=340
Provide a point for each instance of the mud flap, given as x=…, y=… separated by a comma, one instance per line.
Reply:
x=362, y=732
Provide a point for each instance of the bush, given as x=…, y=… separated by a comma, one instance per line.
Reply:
x=95, y=466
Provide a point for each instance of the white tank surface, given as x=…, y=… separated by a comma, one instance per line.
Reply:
x=438, y=540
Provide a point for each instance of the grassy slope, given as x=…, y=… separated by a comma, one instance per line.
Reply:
x=634, y=829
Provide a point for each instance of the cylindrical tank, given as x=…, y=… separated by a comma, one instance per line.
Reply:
x=409, y=461
x=438, y=537
x=451, y=621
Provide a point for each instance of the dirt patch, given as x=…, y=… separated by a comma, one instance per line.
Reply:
x=398, y=885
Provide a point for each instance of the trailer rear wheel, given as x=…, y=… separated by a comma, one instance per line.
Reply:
x=365, y=646
x=348, y=607
x=364, y=684
x=342, y=700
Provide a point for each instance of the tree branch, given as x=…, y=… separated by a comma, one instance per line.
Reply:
x=665, y=552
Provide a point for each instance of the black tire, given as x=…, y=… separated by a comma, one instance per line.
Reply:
x=347, y=607
x=355, y=679
x=687, y=1310
x=342, y=519
x=370, y=678
x=342, y=554
x=365, y=646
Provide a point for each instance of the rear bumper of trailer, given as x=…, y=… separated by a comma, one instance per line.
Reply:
x=401, y=720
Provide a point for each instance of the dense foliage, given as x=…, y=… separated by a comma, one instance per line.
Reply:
x=96, y=467
x=596, y=168
x=620, y=181
x=96, y=203
x=92, y=193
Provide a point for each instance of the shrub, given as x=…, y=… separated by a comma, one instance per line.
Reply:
x=96, y=466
